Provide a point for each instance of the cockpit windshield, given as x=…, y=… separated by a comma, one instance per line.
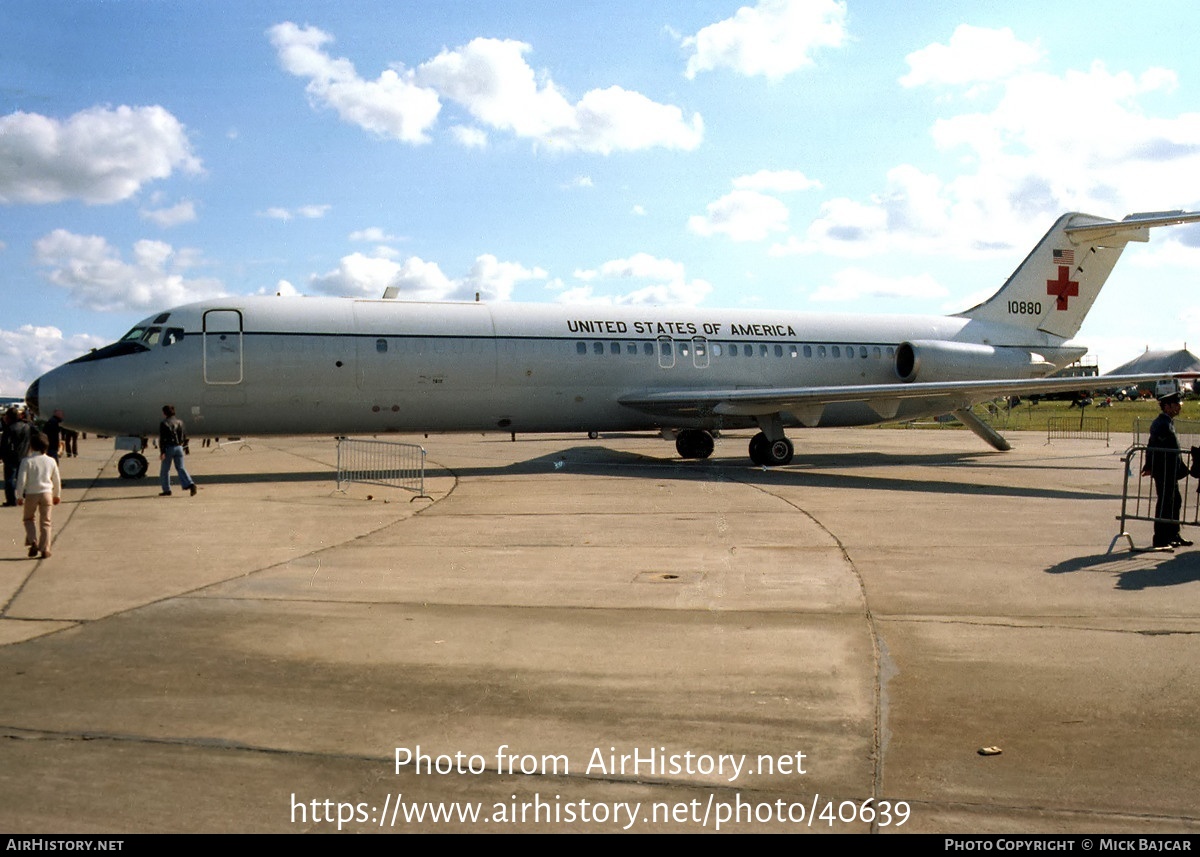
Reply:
x=144, y=335
x=137, y=340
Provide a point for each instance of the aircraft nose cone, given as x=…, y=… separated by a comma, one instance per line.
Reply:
x=31, y=396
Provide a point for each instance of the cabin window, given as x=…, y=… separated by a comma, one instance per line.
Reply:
x=381, y=346
x=834, y=351
x=792, y=351
x=762, y=350
x=614, y=348
x=598, y=348
x=778, y=350
x=581, y=348
x=877, y=352
x=717, y=349
x=648, y=349
x=808, y=351
x=631, y=348
x=862, y=352
x=820, y=350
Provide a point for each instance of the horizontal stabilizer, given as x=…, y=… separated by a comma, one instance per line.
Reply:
x=1131, y=228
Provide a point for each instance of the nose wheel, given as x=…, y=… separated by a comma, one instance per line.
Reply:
x=771, y=453
x=133, y=465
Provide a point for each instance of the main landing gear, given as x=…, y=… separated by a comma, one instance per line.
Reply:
x=694, y=443
x=771, y=453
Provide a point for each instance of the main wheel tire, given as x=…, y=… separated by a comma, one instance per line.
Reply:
x=694, y=443
x=779, y=452
x=771, y=453
x=133, y=465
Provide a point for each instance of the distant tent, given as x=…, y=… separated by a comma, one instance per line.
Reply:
x=1164, y=362
x=1159, y=361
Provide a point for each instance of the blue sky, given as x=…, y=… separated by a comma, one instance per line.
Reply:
x=811, y=155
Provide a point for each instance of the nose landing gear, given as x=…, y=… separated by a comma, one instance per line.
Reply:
x=133, y=465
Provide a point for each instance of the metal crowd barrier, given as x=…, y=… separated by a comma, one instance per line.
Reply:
x=1084, y=428
x=1187, y=431
x=1138, y=497
x=381, y=462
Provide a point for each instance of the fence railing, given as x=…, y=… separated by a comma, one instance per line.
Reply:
x=1146, y=498
x=381, y=462
x=1078, y=428
x=1187, y=431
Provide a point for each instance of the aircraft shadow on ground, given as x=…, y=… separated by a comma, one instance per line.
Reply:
x=811, y=471
x=206, y=479
x=804, y=471
x=1170, y=569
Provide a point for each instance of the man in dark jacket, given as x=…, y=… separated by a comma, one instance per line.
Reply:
x=1164, y=464
x=54, y=433
x=14, y=445
x=172, y=438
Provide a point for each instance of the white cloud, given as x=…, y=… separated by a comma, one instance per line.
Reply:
x=283, y=288
x=359, y=275
x=468, y=137
x=1039, y=144
x=773, y=39
x=853, y=284
x=974, y=54
x=96, y=277
x=491, y=80
x=308, y=212
x=99, y=155
x=743, y=215
x=777, y=181
x=29, y=352
x=495, y=280
x=665, y=283
x=372, y=235
x=184, y=212
x=392, y=105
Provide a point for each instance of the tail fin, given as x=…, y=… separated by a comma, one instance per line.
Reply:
x=1056, y=285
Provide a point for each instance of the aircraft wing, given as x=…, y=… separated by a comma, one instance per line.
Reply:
x=807, y=402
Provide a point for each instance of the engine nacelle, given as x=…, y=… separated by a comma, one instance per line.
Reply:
x=941, y=360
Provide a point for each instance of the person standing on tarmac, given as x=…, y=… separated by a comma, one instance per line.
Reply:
x=39, y=490
x=14, y=446
x=1165, y=465
x=172, y=438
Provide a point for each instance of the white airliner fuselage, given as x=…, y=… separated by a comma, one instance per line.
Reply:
x=291, y=365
